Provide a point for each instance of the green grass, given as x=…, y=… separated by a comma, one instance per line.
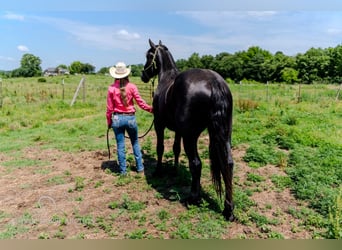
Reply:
x=302, y=138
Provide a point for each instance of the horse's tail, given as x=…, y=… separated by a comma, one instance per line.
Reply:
x=220, y=129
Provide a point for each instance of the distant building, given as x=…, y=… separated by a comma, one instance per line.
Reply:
x=56, y=72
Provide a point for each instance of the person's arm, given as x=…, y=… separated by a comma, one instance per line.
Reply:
x=141, y=103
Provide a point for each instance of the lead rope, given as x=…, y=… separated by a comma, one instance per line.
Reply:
x=152, y=94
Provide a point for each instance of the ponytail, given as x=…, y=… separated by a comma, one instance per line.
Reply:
x=123, y=83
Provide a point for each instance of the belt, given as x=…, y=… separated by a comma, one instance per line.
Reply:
x=120, y=113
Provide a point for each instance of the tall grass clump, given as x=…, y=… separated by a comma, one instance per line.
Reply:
x=335, y=218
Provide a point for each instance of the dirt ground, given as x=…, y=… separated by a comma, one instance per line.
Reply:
x=38, y=193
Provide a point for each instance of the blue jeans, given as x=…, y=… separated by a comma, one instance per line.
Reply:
x=120, y=124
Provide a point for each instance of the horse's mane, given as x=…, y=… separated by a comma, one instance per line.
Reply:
x=168, y=63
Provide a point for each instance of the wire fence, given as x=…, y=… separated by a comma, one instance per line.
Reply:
x=95, y=89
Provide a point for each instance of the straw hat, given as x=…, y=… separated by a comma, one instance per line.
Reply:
x=120, y=70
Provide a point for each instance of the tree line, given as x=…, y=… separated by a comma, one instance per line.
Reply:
x=254, y=64
x=257, y=64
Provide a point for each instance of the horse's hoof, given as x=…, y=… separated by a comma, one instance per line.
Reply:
x=228, y=215
x=193, y=201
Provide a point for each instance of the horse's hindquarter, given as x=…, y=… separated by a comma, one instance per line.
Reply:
x=191, y=97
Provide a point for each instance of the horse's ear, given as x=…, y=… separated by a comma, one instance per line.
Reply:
x=151, y=44
x=160, y=43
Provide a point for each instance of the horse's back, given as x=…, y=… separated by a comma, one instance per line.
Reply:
x=197, y=76
x=193, y=96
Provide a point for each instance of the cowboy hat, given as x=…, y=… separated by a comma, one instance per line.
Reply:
x=120, y=70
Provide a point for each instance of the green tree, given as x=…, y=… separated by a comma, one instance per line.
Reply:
x=182, y=64
x=313, y=65
x=277, y=64
x=289, y=75
x=255, y=60
x=136, y=69
x=87, y=68
x=103, y=70
x=29, y=66
x=194, y=61
x=218, y=64
x=62, y=66
x=207, y=61
x=335, y=66
x=75, y=67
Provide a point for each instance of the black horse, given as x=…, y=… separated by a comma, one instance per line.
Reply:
x=187, y=103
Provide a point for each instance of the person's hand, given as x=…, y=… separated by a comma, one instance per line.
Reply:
x=109, y=126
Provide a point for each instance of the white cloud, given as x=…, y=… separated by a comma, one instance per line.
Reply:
x=124, y=34
x=261, y=13
x=6, y=58
x=22, y=48
x=12, y=16
x=100, y=36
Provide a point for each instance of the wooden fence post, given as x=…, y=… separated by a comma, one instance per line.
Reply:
x=63, y=89
x=299, y=94
x=77, y=90
x=338, y=92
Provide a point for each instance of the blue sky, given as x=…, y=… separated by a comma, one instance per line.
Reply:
x=104, y=32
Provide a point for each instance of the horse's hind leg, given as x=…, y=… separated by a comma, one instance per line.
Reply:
x=228, y=182
x=195, y=165
x=177, y=148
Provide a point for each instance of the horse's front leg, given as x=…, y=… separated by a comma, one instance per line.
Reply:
x=228, y=182
x=160, y=149
x=177, y=148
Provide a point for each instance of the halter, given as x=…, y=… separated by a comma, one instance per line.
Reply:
x=153, y=63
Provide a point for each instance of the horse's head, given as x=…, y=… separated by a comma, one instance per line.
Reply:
x=151, y=67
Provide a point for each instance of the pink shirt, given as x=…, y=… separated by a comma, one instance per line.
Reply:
x=115, y=104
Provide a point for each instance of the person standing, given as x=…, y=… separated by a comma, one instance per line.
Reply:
x=121, y=114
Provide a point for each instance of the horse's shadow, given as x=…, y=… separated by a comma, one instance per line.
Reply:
x=111, y=165
x=174, y=184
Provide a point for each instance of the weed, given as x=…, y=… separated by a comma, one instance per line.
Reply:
x=131, y=206
x=275, y=235
x=79, y=183
x=113, y=205
x=261, y=220
x=255, y=177
x=86, y=220
x=79, y=198
x=247, y=105
x=136, y=234
x=11, y=231
x=260, y=154
x=163, y=214
x=59, y=234
x=98, y=184
x=43, y=236
x=56, y=180
x=281, y=182
x=101, y=223
x=123, y=180
x=335, y=218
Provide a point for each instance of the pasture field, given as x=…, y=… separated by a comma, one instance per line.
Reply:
x=56, y=181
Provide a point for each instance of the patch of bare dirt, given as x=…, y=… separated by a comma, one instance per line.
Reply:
x=72, y=186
